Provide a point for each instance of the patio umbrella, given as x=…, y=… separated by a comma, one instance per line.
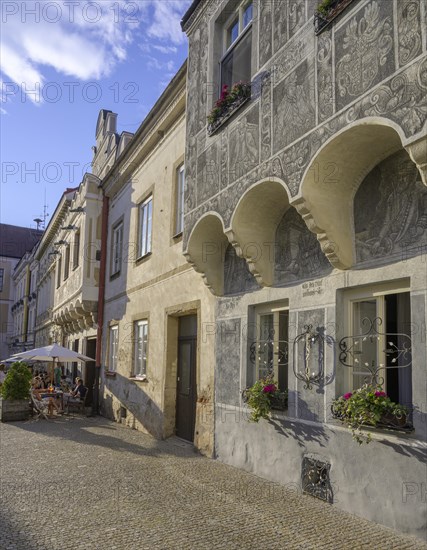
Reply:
x=52, y=354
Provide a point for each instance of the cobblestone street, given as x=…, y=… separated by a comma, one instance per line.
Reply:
x=90, y=483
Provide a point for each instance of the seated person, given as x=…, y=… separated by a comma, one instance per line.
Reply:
x=79, y=391
x=48, y=402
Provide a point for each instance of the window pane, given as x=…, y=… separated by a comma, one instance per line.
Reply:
x=76, y=249
x=236, y=66
x=232, y=32
x=247, y=15
x=265, y=344
x=145, y=227
x=363, y=314
x=141, y=332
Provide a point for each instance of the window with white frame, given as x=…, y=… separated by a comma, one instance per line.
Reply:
x=113, y=348
x=116, y=248
x=58, y=273
x=269, y=351
x=67, y=262
x=140, y=351
x=378, y=337
x=76, y=249
x=235, y=65
x=145, y=227
x=179, y=215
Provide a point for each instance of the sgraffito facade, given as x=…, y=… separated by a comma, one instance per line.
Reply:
x=306, y=208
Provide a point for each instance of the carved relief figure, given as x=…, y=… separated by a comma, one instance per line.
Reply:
x=390, y=211
x=280, y=23
x=296, y=15
x=237, y=277
x=243, y=147
x=409, y=31
x=366, y=44
x=294, y=105
x=297, y=252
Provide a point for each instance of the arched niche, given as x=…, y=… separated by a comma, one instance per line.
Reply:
x=206, y=250
x=332, y=179
x=237, y=277
x=390, y=212
x=253, y=227
x=298, y=255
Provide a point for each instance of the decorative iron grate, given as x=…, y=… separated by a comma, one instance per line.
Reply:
x=315, y=480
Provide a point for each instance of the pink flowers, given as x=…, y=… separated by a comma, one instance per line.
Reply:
x=347, y=395
x=269, y=388
x=380, y=394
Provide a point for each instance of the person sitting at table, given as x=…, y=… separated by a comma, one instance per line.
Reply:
x=80, y=390
x=51, y=405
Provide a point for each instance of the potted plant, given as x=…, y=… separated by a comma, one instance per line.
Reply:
x=227, y=103
x=264, y=396
x=368, y=406
x=15, y=393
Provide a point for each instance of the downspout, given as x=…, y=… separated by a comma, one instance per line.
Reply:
x=101, y=294
x=27, y=292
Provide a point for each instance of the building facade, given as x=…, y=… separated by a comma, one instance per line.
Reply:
x=158, y=365
x=15, y=243
x=305, y=213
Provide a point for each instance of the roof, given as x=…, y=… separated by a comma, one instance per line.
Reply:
x=16, y=240
x=189, y=13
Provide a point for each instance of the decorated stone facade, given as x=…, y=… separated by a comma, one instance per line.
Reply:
x=307, y=208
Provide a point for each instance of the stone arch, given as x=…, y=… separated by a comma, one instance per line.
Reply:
x=253, y=227
x=205, y=251
x=331, y=180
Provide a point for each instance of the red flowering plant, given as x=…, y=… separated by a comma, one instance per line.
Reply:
x=228, y=98
x=263, y=396
x=368, y=406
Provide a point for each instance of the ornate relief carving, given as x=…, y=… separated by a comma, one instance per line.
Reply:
x=409, y=29
x=224, y=159
x=293, y=105
x=297, y=251
x=208, y=173
x=403, y=100
x=280, y=24
x=363, y=47
x=390, y=211
x=266, y=117
x=325, y=91
x=299, y=48
x=296, y=15
x=265, y=31
x=237, y=277
x=294, y=162
x=244, y=144
x=196, y=85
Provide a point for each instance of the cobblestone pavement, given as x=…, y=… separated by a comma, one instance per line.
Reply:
x=89, y=483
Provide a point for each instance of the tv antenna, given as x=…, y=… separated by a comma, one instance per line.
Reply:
x=41, y=221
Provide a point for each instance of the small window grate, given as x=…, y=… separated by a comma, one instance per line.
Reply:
x=315, y=479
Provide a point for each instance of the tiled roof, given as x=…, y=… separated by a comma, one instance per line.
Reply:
x=16, y=240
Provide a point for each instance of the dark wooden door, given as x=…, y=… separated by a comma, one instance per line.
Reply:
x=89, y=378
x=186, y=381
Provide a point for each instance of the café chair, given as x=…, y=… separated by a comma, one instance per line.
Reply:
x=40, y=407
x=78, y=406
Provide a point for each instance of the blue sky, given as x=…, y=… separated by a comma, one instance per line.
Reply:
x=62, y=61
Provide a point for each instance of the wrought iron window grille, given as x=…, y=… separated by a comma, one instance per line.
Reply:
x=397, y=351
x=312, y=371
x=266, y=350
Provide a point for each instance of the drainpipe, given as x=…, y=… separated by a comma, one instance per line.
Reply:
x=101, y=293
x=27, y=292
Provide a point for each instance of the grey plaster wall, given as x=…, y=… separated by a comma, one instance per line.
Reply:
x=227, y=374
x=237, y=277
x=383, y=482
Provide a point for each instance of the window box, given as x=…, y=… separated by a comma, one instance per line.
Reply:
x=326, y=12
x=369, y=407
x=263, y=397
x=228, y=104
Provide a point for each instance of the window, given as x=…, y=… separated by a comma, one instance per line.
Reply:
x=67, y=262
x=1, y=279
x=113, y=348
x=117, y=245
x=269, y=352
x=179, y=219
x=58, y=273
x=140, y=351
x=235, y=66
x=76, y=250
x=379, y=325
x=145, y=227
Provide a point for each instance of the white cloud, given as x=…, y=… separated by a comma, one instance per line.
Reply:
x=3, y=111
x=165, y=49
x=167, y=15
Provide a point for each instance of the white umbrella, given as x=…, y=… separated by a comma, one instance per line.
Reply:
x=51, y=353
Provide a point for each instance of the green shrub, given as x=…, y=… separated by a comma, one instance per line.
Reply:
x=17, y=384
